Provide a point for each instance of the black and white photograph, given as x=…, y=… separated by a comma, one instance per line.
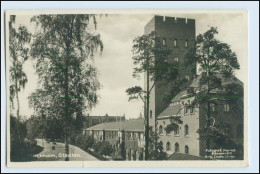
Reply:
x=127, y=86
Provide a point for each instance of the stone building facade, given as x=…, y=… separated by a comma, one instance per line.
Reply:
x=126, y=137
x=185, y=139
x=178, y=35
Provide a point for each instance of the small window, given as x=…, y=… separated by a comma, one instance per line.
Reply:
x=187, y=77
x=176, y=131
x=175, y=19
x=176, y=59
x=191, y=109
x=175, y=42
x=151, y=114
x=177, y=149
x=164, y=41
x=212, y=107
x=226, y=107
x=186, y=130
x=186, y=109
x=160, y=130
x=187, y=149
x=168, y=146
x=186, y=43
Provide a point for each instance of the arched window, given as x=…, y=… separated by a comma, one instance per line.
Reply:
x=185, y=109
x=187, y=77
x=212, y=107
x=175, y=42
x=186, y=130
x=164, y=42
x=187, y=149
x=226, y=107
x=177, y=149
x=176, y=131
x=191, y=109
x=176, y=59
x=186, y=43
x=160, y=130
x=168, y=146
x=151, y=114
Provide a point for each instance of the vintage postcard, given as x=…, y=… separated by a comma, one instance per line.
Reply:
x=127, y=88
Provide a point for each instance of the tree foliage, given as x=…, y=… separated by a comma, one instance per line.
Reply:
x=19, y=40
x=216, y=84
x=155, y=148
x=63, y=48
x=175, y=121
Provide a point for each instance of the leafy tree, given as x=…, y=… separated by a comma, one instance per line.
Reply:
x=106, y=149
x=217, y=64
x=84, y=141
x=64, y=47
x=18, y=48
x=151, y=58
x=17, y=129
x=97, y=147
x=33, y=126
x=174, y=125
x=156, y=148
x=103, y=148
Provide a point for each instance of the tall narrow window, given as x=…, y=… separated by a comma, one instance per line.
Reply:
x=187, y=149
x=177, y=148
x=186, y=130
x=176, y=59
x=151, y=114
x=168, y=146
x=176, y=130
x=226, y=107
x=187, y=77
x=191, y=109
x=186, y=109
x=212, y=107
x=175, y=42
x=160, y=130
x=164, y=41
x=186, y=44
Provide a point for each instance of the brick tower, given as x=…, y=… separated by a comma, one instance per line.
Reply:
x=177, y=34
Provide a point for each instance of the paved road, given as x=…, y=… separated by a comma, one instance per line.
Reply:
x=58, y=154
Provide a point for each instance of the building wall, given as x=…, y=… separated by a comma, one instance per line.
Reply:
x=225, y=118
x=132, y=142
x=195, y=121
x=191, y=140
x=170, y=28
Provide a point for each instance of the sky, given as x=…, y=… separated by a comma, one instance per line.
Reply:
x=115, y=65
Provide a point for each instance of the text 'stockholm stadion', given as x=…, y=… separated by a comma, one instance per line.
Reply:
x=127, y=137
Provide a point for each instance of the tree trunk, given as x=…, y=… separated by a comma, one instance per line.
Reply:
x=208, y=105
x=66, y=106
x=147, y=115
x=18, y=110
